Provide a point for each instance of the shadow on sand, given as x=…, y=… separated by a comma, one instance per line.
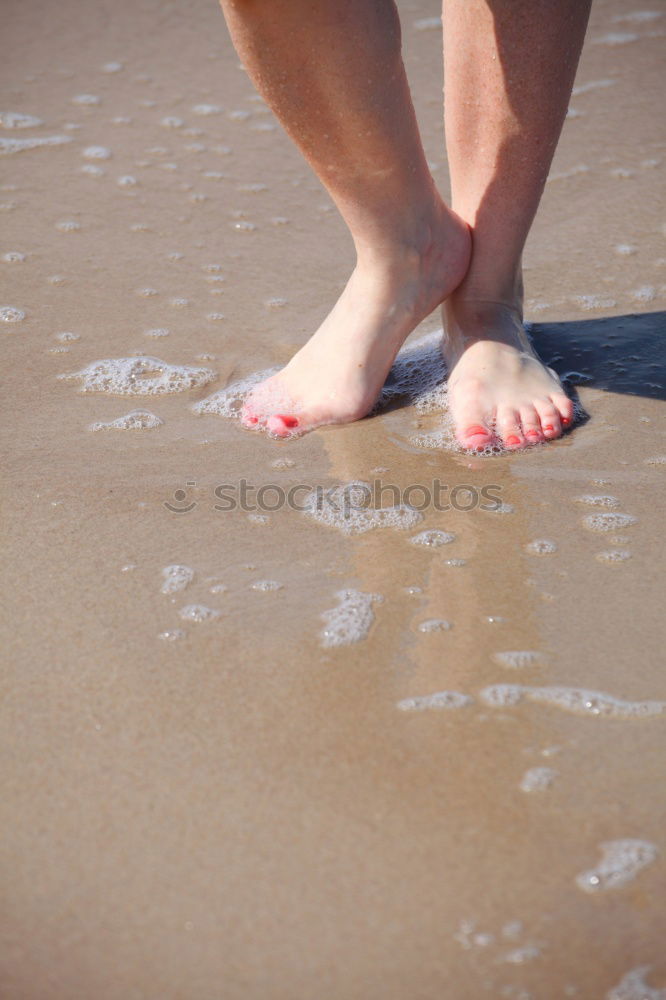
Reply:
x=621, y=354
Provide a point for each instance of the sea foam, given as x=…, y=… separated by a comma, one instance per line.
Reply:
x=351, y=620
x=140, y=376
x=621, y=860
x=577, y=700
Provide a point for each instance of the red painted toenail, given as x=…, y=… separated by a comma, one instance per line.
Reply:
x=548, y=427
x=566, y=421
x=288, y=421
x=476, y=429
x=512, y=439
x=532, y=434
x=252, y=420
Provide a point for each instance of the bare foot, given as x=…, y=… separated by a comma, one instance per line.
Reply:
x=499, y=390
x=338, y=375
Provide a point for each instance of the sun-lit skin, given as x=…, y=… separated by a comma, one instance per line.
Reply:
x=333, y=74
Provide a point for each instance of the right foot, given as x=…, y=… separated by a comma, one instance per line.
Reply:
x=500, y=393
x=338, y=375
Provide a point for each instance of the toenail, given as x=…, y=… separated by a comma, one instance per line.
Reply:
x=476, y=429
x=532, y=434
x=252, y=420
x=548, y=427
x=288, y=421
x=512, y=439
x=566, y=421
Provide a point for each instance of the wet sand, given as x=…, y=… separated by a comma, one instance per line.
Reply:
x=238, y=809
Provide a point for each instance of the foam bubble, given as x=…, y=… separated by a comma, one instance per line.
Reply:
x=638, y=16
x=352, y=619
x=244, y=226
x=127, y=181
x=608, y=522
x=632, y=986
x=428, y=24
x=266, y=585
x=519, y=956
x=518, y=659
x=435, y=625
x=577, y=700
x=439, y=700
x=538, y=779
x=599, y=501
x=172, y=635
x=590, y=302
x=10, y=314
x=644, y=294
x=13, y=257
x=656, y=460
x=14, y=119
x=86, y=100
x=276, y=303
x=65, y=337
x=136, y=420
x=171, y=121
x=584, y=88
x=541, y=547
x=93, y=170
x=228, y=402
x=625, y=249
x=198, y=613
x=112, y=67
x=343, y=507
x=579, y=168
x=614, y=556
x=18, y=145
x=615, y=38
x=206, y=109
x=455, y=562
x=96, y=153
x=219, y=588
x=215, y=317
x=156, y=332
x=432, y=539
x=68, y=226
x=621, y=860
x=176, y=578
x=502, y=508
x=140, y=376
x=179, y=302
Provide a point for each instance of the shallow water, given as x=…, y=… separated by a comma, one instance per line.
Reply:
x=264, y=727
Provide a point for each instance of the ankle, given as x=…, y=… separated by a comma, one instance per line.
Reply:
x=504, y=291
x=410, y=238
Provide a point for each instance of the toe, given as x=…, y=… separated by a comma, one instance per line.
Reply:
x=474, y=436
x=529, y=419
x=565, y=408
x=551, y=424
x=281, y=425
x=248, y=416
x=509, y=429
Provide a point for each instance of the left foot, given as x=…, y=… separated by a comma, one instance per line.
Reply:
x=500, y=393
x=337, y=376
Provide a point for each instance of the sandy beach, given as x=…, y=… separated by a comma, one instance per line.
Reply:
x=256, y=749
